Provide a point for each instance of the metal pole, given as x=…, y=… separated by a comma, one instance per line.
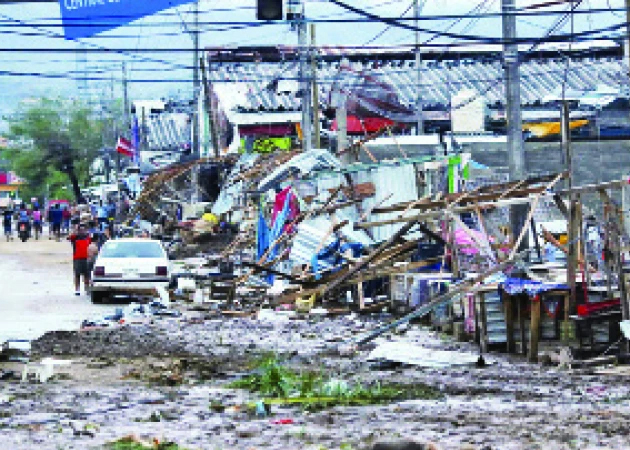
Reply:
x=572, y=225
x=420, y=121
x=566, y=141
x=195, y=114
x=305, y=85
x=627, y=46
x=316, y=132
x=516, y=156
x=126, y=128
x=214, y=135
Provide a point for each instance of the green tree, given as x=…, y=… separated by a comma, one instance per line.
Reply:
x=52, y=138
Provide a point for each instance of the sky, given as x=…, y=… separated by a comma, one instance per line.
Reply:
x=36, y=60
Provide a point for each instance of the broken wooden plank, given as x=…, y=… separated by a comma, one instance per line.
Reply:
x=261, y=268
x=404, y=230
x=481, y=196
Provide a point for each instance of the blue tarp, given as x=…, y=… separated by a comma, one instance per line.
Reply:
x=262, y=236
x=276, y=231
x=332, y=254
x=514, y=286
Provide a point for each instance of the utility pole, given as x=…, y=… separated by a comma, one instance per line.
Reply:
x=572, y=224
x=516, y=154
x=195, y=114
x=627, y=46
x=419, y=113
x=214, y=135
x=625, y=307
x=297, y=12
x=316, y=131
x=341, y=115
x=126, y=128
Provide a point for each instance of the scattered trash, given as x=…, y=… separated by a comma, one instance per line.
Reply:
x=283, y=422
x=262, y=409
x=417, y=355
x=134, y=313
x=43, y=370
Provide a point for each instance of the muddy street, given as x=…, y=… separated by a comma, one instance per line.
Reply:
x=36, y=289
x=189, y=380
x=175, y=381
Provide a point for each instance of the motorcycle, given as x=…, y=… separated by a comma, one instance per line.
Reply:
x=23, y=232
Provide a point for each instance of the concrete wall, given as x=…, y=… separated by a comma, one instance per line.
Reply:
x=592, y=161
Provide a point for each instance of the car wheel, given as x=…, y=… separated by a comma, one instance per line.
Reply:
x=97, y=297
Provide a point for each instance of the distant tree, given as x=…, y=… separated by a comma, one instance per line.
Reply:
x=52, y=137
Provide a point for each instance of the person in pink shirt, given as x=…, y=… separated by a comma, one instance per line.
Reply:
x=37, y=221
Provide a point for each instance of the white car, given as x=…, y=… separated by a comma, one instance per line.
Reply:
x=129, y=266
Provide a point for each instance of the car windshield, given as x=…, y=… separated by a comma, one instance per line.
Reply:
x=119, y=249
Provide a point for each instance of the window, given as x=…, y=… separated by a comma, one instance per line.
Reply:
x=118, y=249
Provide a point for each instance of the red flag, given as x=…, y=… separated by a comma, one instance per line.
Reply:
x=125, y=147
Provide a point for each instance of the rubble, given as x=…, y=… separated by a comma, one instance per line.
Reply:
x=352, y=277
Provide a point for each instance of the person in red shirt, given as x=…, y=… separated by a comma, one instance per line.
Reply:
x=80, y=243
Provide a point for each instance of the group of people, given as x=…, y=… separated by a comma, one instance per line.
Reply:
x=31, y=218
x=62, y=218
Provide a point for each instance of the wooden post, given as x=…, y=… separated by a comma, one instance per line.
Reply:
x=477, y=309
x=509, y=322
x=572, y=259
x=534, y=330
x=360, y=292
x=521, y=325
x=484, y=323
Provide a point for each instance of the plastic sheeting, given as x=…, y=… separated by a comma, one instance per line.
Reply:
x=532, y=287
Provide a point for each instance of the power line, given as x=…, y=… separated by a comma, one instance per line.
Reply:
x=263, y=79
x=468, y=37
x=105, y=20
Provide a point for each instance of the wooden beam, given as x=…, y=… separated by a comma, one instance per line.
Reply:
x=534, y=330
x=561, y=205
x=480, y=198
x=593, y=187
x=508, y=301
x=456, y=210
x=485, y=193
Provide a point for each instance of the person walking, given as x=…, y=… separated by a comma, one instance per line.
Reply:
x=66, y=216
x=7, y=217
x=56, y=217
x=93, y=250
x=37, y=221
x=101, y=216
x=80, y=258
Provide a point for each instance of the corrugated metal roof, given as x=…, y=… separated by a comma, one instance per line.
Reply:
x=440, y=79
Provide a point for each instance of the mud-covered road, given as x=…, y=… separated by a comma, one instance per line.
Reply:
x=163, y=381
x=37, y=291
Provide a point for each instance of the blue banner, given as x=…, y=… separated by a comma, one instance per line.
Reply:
x=86, y=18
